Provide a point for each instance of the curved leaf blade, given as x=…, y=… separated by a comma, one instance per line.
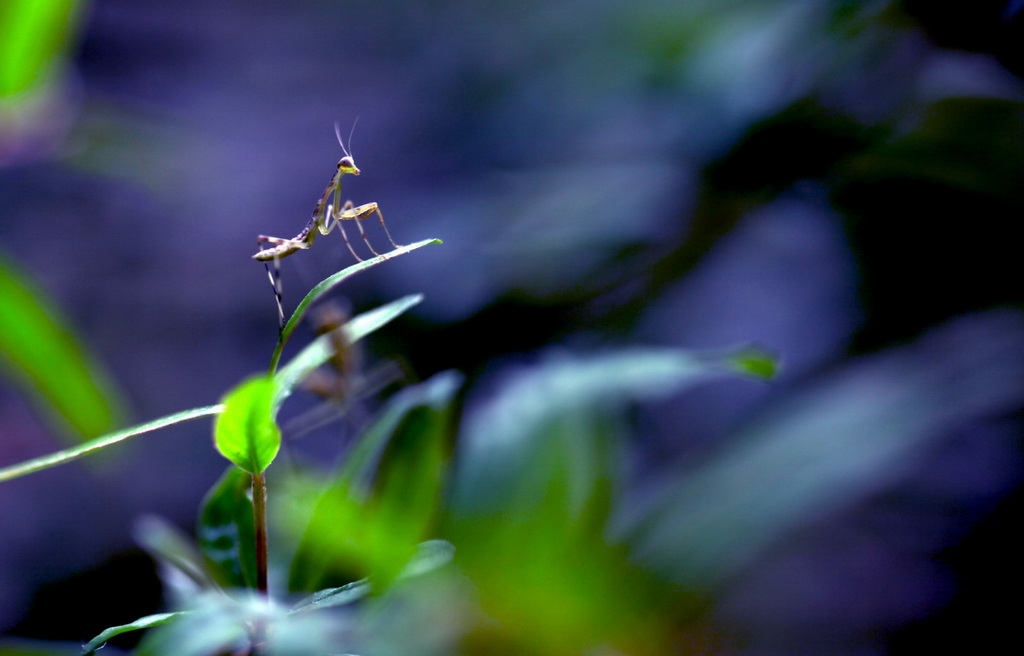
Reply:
x=92, y=446
x=552, y=422
x=329, y=283
x=340, y=596
x=142, y=623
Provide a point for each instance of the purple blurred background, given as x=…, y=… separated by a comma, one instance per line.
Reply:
x=823, y=178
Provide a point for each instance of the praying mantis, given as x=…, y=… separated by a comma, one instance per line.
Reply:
x=323, y=221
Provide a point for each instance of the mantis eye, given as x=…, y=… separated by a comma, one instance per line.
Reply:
x=346, y=162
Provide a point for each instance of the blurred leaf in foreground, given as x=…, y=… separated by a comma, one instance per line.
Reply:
x=35, y=34
x=40, y=353
x=841, y=439
x=35, y=37
x=384, y=500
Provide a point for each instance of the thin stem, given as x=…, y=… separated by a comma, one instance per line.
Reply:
x=259, y=509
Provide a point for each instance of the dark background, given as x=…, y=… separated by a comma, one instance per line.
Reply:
x=827, y=179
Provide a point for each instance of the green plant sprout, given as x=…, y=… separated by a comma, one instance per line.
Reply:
x=246, y=433
x=323, y=221
x=355, y=559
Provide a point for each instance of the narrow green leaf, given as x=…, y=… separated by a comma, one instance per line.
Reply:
x=67, y=455
x=226, y=533
x=245, y=432
x=552, y=422
x=142, y=623
x=430, y=556
x=213, y=624
x=39, y=351
x=329, y=283
x=340, y=596
x=321, y=349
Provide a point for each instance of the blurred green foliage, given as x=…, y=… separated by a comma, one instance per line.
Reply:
x=34, y=37
x=385, y=498
x=40, y=353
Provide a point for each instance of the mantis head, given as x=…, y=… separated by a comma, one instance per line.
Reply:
x=346, y=164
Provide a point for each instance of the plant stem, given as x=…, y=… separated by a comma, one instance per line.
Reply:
x=259, y=509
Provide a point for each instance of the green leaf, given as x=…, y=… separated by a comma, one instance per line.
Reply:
x=226, y=533
x=92, y=446
x=384, y=499
x=245, y=432
x=321, y=349
x=329, y=283
x=39, y=351
x=213, y=624
x=552, y=429
x=430, y=556
x=142, y=623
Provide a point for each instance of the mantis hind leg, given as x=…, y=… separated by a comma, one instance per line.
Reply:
x=381, y=217
x=335, y=220
x=362, y=233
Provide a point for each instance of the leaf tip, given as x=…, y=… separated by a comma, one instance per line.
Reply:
x=755, y=362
